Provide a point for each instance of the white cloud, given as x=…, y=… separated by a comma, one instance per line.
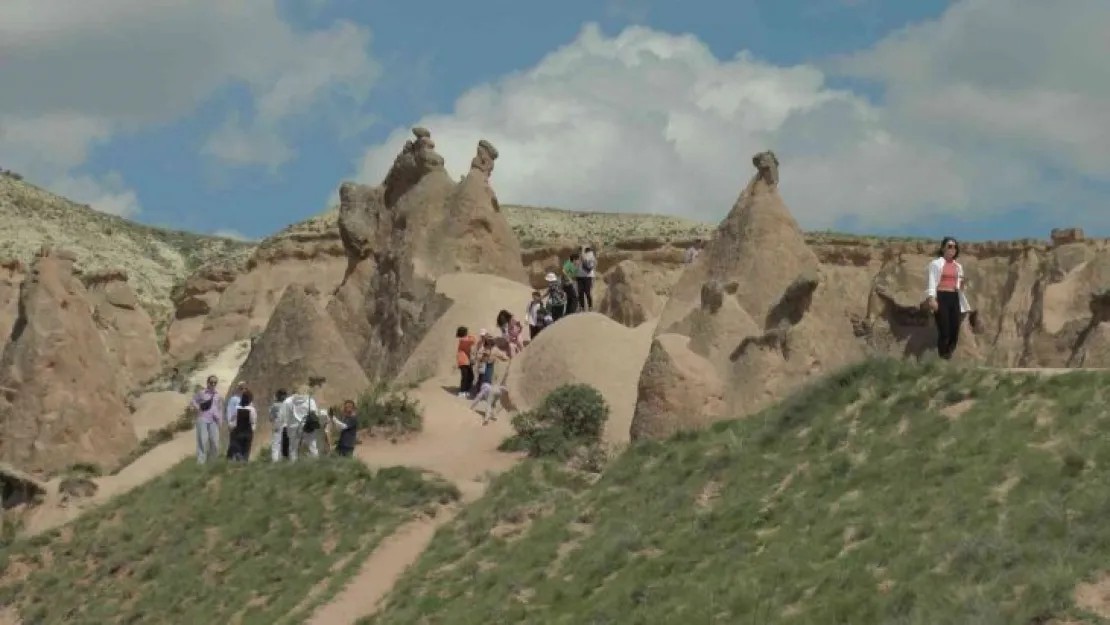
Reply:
x=651, y=122
x=229, y=233
x=108, y=195
x=79, y=72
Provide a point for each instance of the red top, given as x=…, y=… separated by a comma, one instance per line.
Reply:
x=949, y=276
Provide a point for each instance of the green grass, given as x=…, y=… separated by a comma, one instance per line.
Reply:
x=915, y=494
x=245, y=543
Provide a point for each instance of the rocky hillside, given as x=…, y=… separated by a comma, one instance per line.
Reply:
x=155, y=259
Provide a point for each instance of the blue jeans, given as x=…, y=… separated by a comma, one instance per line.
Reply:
x=487, y=374
x=208, y=440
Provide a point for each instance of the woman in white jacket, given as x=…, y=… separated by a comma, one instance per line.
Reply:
x=294, y=412
x=944, y=293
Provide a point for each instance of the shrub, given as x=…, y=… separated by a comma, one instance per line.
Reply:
x=389, y=413
x=570, y=417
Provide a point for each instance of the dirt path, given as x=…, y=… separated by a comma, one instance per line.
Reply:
x=455, y=445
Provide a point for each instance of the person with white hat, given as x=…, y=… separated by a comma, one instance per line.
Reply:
x=556, y=297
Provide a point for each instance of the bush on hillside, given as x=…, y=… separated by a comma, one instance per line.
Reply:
x=392, y=414
x=570, y=417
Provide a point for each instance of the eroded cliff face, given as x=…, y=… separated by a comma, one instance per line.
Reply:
x=223, y=304
x=125, y=326
x=61, y=389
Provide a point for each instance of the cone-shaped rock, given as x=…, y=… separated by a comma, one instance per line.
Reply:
x=60, y=395
x=300, y=341
x=750, y=318
x=402, y=235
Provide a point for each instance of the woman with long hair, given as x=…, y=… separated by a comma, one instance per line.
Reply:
x=945, y=298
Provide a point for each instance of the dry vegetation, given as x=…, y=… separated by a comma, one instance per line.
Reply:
x=154, y=258
x=249, y=544
x=888, y=493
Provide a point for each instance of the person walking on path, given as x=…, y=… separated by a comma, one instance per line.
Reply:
x=301, y=417
x=586, y=274
x=944, y=296
x=279, y=437
x=347, y=424
x=570, y=278
x=533, y=314
x=241, y=429
x=462, y=360
x=209, y=406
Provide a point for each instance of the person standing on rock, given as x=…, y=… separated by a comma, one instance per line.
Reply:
x=586, y=274
x=301, y=418
x=241, y=429
x=556, y=298
x=533, y=314
x=209, y=406
x=945, y=298
x=279, y=436
x=570, y=277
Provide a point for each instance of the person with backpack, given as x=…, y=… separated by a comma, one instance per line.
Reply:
x=209, y=407
x=570, y=277
x=279, y=436
x=586, y=274
x=556, y=298
x=347, y=424
x=232, y=405
x=241, y=429
x=301, y=418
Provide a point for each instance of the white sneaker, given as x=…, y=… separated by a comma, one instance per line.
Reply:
x=462, y=394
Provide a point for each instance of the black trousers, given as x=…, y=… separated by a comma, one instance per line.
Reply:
x=533, y=331
x=585, y=293
x=466, y=378
x=344, y=451
x=948, y=318
x=239, y=445
x=284, y=443
x=572, y=298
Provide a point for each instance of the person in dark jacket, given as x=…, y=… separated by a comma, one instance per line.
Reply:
x=347, y=424
x=241, y=426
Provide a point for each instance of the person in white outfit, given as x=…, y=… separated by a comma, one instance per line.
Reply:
x=278, y=433
x=587, y=272
x=295, y=415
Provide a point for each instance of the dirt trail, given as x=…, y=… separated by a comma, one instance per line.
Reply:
x=455, y=445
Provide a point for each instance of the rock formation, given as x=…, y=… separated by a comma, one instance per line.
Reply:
x=60, y=395
x=12, y=274
x=223, y=304
x=126, y=327
x=299, y=342
x=629, y=297
x=400, y=237
x=754, y=316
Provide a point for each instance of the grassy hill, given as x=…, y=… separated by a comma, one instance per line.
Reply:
x=248, y=544
x=888, y=493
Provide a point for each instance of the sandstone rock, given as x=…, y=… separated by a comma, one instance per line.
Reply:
x=61, y=401
x=17, y=487
x=224, y=305
x=12, y=274
x=756, y=309
x=126, y=327
x=299, y=342
x=399, y=237
x=1063, y=236
x=629, y=298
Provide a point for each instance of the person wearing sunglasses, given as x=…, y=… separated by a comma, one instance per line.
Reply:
x=944, y=296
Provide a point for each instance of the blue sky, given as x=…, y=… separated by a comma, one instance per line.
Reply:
x=429, y=54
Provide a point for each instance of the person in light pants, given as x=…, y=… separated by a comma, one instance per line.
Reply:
x=294, y=411
x=277, y=425
x=209, y=408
